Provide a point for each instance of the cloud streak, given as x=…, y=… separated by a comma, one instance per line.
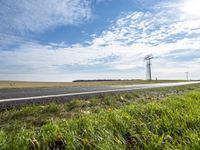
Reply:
x=38, y=16
x=119, y=50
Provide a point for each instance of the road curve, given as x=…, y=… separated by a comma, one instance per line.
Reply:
x=12, y=97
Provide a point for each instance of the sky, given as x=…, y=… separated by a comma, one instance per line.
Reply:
x=66, y=40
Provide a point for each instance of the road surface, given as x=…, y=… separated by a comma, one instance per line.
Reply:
x=37, y=95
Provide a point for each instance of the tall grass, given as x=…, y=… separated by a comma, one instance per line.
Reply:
x=173, y=123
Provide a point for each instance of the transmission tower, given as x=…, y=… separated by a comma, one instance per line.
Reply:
x=148, y=66
x=187, y=75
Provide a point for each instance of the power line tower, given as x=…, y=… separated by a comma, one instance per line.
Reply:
x=148, y=66
x=187, y=75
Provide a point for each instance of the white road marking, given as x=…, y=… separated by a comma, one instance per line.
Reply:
x=121, y=89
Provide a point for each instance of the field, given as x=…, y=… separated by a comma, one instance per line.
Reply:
x=164, y=118
x=22, y=84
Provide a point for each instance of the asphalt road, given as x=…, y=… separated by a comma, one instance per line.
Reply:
x=7, y=95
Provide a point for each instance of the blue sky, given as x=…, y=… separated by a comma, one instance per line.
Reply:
x=65, y=40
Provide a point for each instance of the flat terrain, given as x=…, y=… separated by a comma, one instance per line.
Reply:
x=37, y=93
x=162, y=118
x=21, y=84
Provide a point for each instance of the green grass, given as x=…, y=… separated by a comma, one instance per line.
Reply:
x=164, y=118
x=23, y=84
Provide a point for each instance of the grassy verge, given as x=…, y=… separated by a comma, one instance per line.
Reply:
x=165, y=118
x=21, y=84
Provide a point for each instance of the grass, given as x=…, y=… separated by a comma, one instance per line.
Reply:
x=22, y=84
x=164, y=118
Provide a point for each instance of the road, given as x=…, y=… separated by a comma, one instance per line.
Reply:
x=35, y=95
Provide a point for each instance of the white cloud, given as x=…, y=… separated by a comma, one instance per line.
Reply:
x=129, y=38
x=40, y=15
x=138, y=33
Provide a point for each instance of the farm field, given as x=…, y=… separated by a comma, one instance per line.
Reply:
x=23, y=84
x=164, y=118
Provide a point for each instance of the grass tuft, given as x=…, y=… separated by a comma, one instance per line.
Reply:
x=170, y=123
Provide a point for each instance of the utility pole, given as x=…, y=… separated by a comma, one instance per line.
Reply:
x=148, y=66
x=187, y=75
